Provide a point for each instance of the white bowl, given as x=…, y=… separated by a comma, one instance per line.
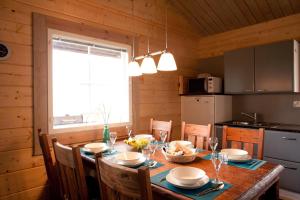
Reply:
x=182, y=143
x=96, y=147
x=187, y=175
x=235, y=154
x=144, y=136
x=129, y=158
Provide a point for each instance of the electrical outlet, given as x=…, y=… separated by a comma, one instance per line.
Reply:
x=296, y=104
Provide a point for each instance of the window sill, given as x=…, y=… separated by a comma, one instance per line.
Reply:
x=70, y=128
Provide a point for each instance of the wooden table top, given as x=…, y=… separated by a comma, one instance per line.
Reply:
x=246, y=184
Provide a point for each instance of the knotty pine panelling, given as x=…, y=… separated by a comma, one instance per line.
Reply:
x=276, y=30
x=213, y=16
x=23, y=176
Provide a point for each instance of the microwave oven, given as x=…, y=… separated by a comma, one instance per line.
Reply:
x=204, y=85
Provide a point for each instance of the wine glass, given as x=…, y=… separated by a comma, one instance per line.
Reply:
x=217, y=160
x=148, y=151
x=129, y=131
x=113, y=138
x=163, y=136
x=213, y=143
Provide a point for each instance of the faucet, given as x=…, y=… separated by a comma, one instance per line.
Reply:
x=251, y=115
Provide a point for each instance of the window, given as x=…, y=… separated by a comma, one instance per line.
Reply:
x=89, y=81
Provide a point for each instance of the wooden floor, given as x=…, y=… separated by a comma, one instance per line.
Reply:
x=288, y=195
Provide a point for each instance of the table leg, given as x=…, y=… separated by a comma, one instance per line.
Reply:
x=272, y=192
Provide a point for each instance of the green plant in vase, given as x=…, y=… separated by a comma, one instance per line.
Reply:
x=106, y=132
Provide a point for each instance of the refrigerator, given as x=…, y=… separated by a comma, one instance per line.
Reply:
x=206, y=109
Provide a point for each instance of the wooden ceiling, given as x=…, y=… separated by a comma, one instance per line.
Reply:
x=216, y=16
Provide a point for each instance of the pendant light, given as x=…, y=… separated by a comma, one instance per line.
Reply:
x=166, y=61
x=133, y=66
x=148, y=65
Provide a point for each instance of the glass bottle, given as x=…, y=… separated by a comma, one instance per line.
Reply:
x=106, y=134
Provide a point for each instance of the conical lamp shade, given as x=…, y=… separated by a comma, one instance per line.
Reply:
x=148, y=65
x=166, y=62
x=134, y=69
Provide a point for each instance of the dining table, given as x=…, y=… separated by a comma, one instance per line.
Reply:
x=261, y=183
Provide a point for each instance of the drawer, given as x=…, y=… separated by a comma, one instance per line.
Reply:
x=282, y=145
x=290, y=176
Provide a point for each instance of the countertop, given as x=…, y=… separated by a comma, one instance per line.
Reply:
x=266, y=125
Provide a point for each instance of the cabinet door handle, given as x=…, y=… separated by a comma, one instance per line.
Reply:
x=248, y=90
x=287, y=138
x=291, y=168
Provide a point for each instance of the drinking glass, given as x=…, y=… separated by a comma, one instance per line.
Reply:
x=129, y=131
x=148, y=151
x=213, y=142
x=163, y=136
x=113, y=138
x=217, y=160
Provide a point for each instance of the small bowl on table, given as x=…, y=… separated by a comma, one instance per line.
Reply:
x=95, y=147
x=235, y=154
x=187, y=175
x=129, y=158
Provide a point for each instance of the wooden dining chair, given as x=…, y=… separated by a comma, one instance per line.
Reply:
x=243, y=138
x=197, y=134
x=119, y=182
x=157, y=126
x=51, y=168
x=71, y=172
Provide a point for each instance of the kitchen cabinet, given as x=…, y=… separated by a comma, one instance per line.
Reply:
x=282, y=147
x=263, y=69
x=239, y=71
x=274, y=67
x=290, y=176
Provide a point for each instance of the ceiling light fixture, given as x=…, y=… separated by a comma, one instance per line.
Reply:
x=166, y=61
x=148, y=65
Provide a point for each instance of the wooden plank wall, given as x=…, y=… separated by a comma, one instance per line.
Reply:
x=275, y=30
x=23, y=176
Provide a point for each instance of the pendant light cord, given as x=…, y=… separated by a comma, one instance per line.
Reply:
x=133, y=39
x=166, y=25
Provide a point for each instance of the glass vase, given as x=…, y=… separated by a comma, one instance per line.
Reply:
x=106, y=133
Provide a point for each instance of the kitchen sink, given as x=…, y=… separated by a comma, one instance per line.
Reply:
x=240, y=123
x=255, y=124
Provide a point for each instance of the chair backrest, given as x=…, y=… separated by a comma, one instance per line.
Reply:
x=242, y=138
x=118, y=182
x=50, y=165
x=71, y=172
x=197, y=134
x=157, y=126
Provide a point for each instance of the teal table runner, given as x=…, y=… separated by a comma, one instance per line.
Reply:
x=253, y=164
x=191, y=193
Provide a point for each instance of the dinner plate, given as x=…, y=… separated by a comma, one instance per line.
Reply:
x=92, y=151
x=244, y=159
x=235, y=154
x=176, y=183
x=139, y=162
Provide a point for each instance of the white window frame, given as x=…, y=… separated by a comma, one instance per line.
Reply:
x=90, y=126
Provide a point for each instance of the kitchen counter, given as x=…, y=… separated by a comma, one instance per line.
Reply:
x=266, y=125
